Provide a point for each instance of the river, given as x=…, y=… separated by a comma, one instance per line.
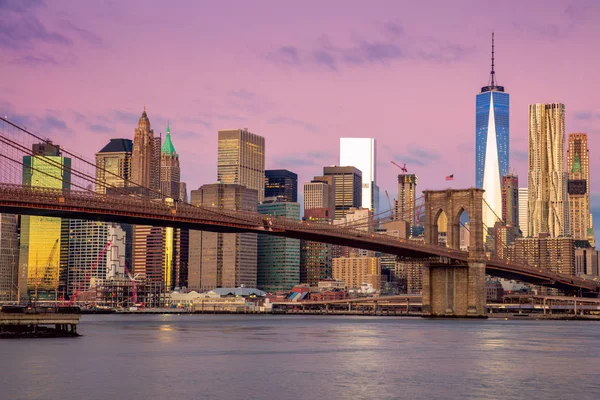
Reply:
x=305, y=357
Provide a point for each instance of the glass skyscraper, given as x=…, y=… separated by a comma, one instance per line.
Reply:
x=492, y=142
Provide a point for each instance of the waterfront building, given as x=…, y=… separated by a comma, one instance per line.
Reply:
x=39, y=250
x=241, y=160
x=547, y=181
x=578, y=186
x=405, y=205
x=224, y=259
x=278, y=257
x=113, y=165
x=410, y=270
x=282, y=184
x=524, y=211
x=348, y=188
x=90, y=253
x=9, y=257
x=356, y=270
x=587, y=262
x=315, y=257
x=362, y=154
x=555, y=254
x=492, y=144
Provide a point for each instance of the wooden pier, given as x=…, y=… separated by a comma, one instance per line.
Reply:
x=14, y=325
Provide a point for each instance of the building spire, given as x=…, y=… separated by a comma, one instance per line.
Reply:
x=493, y=72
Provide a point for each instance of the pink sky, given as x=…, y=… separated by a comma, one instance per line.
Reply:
x=301, y=74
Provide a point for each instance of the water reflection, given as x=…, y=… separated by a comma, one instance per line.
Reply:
x=270, y=357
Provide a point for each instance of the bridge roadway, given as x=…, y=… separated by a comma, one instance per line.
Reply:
x=26, y=200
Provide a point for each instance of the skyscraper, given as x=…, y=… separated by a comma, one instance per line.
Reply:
x=175, y=239
x=145, y=156
x=113, y=165
x=9, y=257
x=492, y=141
x=524, y=211
x=578, y=169
x=510, y=200
x=278, y=257
x=225, y=259
x=315, y=257
x=241, y=160
x=39, y=252
x=362, y=154
x=548, y=207
x=348, y=188
x=407, y=188
x=147, y=241
x=281, y=183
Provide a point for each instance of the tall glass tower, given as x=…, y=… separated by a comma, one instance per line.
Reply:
x=492, y=139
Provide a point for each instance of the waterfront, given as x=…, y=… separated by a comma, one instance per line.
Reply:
x=268, y=357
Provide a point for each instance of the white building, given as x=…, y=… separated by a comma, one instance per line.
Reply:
x=523, y=211
x=361, y=153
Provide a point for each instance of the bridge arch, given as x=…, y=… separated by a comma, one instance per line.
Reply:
x=455, y=202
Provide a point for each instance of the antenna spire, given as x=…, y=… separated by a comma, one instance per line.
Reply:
x=492, y=73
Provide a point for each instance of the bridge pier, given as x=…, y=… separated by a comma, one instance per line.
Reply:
x=451, y=290
x=454, y=291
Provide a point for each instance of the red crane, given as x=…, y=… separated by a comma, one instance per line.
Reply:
x=101, y=254
x=402, y=167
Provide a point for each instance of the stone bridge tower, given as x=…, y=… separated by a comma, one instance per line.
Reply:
x=452, y=289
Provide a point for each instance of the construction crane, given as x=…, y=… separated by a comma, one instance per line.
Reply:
x=132, y=278
x=389, y=205
x=402, y=167
x=81, y=286
x=47, y=275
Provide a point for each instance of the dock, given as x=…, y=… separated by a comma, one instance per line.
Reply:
x=28, y=323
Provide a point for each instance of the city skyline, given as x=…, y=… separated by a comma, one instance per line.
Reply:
x=452, y=59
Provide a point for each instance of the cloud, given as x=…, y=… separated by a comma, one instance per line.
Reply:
x=97, y=128
x=286, y=55
x=415, y=155
x=51, y=123
x=394, y=45
x=583, y=115
x=82, y=33
x=519, y=155
x=311, y=158
x=126, y=117
x=280, y=120
x=242, y=94
x=35, y=61
x=20, y=28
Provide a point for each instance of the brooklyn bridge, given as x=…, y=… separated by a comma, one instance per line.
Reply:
x=453, y=280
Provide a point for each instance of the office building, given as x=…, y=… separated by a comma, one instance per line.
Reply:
x=587, y=262
x=578, y=170
x=510, y=200
x=555, y=254
x=524, y=211
x=348, y=188
x=113, y=165
x=9, y=257
x=278, y=257
x=39, y=251
x=405, y=206
x=492, y=141
x=315, y=257
x=241, y=160
x=147, y=242
x=362, y=154
x=357, y=270
x=224, y=259
x=281, y=184
x=145, y=156
x=548, y=207
x=320, y=193
x=170, y=171
x=89, y=254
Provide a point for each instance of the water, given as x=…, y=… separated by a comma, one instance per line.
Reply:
x=305, y=357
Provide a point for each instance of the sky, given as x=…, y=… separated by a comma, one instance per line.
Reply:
x=301, y=74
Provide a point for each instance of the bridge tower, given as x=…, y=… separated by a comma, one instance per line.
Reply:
x=451, y=289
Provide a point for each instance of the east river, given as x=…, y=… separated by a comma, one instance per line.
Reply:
x=305, y=357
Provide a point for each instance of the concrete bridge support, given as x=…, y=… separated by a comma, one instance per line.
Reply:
x=451, y=290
